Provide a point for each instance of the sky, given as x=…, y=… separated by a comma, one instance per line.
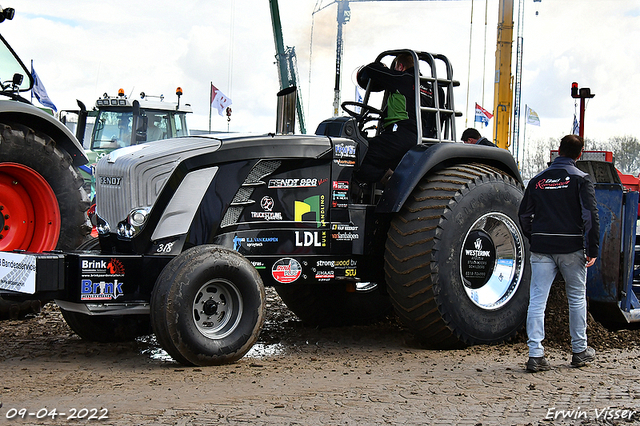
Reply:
x=84, y=48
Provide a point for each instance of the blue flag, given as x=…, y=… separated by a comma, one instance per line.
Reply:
x=40, y=92
x=576, y=126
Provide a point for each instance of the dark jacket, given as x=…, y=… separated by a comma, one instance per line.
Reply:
x=485, y=141
x=558, y=213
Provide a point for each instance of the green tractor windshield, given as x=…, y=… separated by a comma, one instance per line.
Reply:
x=112, y=130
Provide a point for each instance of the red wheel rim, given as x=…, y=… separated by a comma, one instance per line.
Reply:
x=30, y=213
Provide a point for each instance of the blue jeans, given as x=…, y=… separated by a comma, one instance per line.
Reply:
x=544, y=267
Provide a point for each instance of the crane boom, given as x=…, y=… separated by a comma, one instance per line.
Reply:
x=503, y=91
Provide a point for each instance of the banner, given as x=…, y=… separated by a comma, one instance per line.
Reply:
x=219, y=100
x=482, y=115
x=40, y=92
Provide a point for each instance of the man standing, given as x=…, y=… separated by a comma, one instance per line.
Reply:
x=472, y=136
x=559, y=216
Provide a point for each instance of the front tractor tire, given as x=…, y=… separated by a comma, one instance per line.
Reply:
x=208, y=306
x=455, y=259
x=43, y=204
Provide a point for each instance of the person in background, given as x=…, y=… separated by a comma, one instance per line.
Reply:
x=472, y=136
x=559, y=216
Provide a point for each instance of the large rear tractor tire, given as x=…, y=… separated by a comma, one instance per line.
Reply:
x=455, y=260
x=335, y=304
x=43, y=204
x=208, y=306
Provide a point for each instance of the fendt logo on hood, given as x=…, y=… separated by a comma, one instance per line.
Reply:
x=110, y=180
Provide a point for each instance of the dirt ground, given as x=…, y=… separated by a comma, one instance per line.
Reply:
x=301, y=376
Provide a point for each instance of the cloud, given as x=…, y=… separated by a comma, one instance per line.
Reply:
x=84, y=48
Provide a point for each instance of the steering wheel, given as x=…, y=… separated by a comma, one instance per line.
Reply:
x=367, y=112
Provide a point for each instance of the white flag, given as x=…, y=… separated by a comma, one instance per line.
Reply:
x=532, y=116
x=219, y=100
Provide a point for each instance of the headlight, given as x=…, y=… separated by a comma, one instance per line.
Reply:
x=138, y=217
x=134, y=223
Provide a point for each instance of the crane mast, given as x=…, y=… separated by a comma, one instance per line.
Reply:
x=503, y=91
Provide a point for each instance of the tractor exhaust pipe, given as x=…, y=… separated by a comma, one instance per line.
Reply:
x=286, y=120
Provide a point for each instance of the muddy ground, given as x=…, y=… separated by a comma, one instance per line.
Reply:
x=301, y=376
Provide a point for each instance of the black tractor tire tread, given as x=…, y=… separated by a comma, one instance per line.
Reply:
x=165, y=309
x=412, y=273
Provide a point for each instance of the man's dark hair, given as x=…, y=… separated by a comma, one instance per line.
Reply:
x=406, y=59
x=470, y=133
x=571, y=146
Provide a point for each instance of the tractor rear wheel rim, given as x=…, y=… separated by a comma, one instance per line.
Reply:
x=507, y=254
x=30, y=210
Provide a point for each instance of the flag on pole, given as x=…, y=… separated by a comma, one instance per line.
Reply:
x=358, y=99
x=532, y=116
x=40, y=92
x=482, y=115
x=219, y=100
x=576, y=126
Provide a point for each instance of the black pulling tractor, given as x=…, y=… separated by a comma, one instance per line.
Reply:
x=191, y=232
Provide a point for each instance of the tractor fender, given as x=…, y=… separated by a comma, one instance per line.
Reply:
x=424, y=159
x=38, y=120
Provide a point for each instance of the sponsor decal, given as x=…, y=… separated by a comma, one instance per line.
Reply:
x=478, y=259
x=310, y=209
x=325, y=275
x=296, y=183
x=286, y=270
x=258, y=265
x=343, y=227
x=340, y=185
x=340, y=195
x=344, y=163
x=267, y=215
x=102, y=290
x=250, y=242
x=310, y=239
x=343, y=150
x=111, y=180
x=101, y=267
x=553, y=183
x=344, y=236
x=267, y=203
x=18, y=272
x=337, y=264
